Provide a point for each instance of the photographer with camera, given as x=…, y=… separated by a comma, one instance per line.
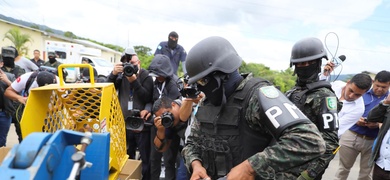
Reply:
x=165, y=85
x=167, y=121
x=171, y=118
x=135, y=92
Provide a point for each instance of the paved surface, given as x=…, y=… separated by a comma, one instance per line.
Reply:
x=329, y=173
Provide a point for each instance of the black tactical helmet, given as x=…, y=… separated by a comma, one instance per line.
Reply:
x=306, y=50
x=209, y=55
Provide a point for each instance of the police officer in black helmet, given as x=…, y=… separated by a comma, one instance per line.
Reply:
x=234, y=129
x=315, y=99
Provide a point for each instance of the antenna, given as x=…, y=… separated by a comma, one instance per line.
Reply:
x=336, y=60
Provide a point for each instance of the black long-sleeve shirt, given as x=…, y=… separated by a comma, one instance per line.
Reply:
x=140, y=89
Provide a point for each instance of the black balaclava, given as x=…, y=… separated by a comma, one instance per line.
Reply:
x=220, y=87
x=308, y=74
x=171, y=43
x=52, y=60
x=9, y=62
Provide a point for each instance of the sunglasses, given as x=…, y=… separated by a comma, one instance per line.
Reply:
x=203, y=81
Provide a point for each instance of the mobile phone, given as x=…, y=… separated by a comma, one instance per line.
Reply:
x=365, y=119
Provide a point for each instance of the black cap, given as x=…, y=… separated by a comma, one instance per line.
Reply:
x=51, y=53
x=45, y=78
x=86, y=73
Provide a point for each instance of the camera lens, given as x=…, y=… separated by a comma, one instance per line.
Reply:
x=167, y=119
x=129, y=69
x=133, y=123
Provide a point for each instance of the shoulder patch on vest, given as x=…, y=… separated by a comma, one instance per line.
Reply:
x=331, y=103
x=269, y=91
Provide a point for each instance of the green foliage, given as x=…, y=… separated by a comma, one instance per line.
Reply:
x=143, y=50
x=49, y=30
x=69, y=34
x=35, y=26
x=18, y=39
x=281, y=79
x=144, y=55
x=111, y=46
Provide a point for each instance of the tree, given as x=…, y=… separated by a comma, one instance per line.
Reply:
x=281, y=79
x=18, y=39
x=49, y=30
x=69, y=34
x=34, y=26
x=143, y=50
x=145, y=55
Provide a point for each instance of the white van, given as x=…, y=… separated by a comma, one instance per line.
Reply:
x=102, y=66
x=72, y=53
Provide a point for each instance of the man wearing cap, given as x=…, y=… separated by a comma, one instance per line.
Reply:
x=135, y=97
x=52, y=60
x=54, y=63
x=9, y=54
x=19, y=90
x=174, y=51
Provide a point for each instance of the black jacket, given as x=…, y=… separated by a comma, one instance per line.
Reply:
x=379, y=113
x=142, y=91
x=5, y=103
x=161, y=66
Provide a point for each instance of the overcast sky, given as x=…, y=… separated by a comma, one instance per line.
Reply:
x=261, y=31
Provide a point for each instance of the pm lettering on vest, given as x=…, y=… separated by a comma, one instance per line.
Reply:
x=328, y=119
x=275, y=111
x=328, y=115
x=280, y=111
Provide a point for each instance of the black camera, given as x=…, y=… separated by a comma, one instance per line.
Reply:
x=129, y=69
x=134, y=122
x=167, y=119
x=191, y=91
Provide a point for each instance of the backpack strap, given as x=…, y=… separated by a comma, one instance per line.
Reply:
x=319, y=84
x=243, y=97
x=29, y=82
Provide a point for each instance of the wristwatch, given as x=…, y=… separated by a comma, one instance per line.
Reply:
x=382, y=102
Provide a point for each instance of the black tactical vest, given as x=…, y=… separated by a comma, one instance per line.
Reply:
x=326, y=119
x=230, y=140
x=298, y=94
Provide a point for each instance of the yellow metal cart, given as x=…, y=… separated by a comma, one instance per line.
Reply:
x=78, y=107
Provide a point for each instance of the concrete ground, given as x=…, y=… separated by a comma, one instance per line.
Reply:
x=329, y=173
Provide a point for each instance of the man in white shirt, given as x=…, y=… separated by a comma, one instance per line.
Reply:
x=17, y=90
x=350, y=94
x=352, y=109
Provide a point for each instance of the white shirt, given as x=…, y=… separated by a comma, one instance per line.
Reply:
x=351, y=111
x=383, y=160
x=20, y=83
